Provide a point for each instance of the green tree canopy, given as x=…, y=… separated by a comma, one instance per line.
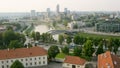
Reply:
x=61, y=39
x=88, y=48
x=68, y=39
x=100, y=48
x=77, y=51
x=15, y=44
x=65, y=50
x=17, y=64
x=76, y=39
x=53, y=51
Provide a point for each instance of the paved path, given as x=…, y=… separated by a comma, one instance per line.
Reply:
x=51, y=65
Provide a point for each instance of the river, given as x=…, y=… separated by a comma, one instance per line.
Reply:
x=44, y=29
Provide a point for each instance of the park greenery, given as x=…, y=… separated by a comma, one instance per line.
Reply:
x=11, y=39
x=53, y=51
x=44, y=37
x=89, y=44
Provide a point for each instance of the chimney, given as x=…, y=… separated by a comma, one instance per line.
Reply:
x=8, y=49
x=27, y=46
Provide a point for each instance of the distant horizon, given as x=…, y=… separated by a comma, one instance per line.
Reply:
x=52, y=11
x=73, y=5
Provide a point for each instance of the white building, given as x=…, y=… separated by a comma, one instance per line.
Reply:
x=80, y=24
x=74, y=62
x=29, y=57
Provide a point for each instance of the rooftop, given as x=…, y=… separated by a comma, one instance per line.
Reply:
x=22, y=52
x=74, y=60
x=108, y=60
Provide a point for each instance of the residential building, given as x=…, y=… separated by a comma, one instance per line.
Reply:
x=57, y=8
x=33, y=13
x=74, y=62
x=79, y=24
x=107, y=27
x=29, y=57
x=2, y=28
x=108, y=60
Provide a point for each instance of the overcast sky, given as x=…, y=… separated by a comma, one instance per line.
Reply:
x=74, y=5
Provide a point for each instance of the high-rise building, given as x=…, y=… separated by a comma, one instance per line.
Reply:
x=33, y=13
x=65, y=10
x=48, y=10
x=57, y=8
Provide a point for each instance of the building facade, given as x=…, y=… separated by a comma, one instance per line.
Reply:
x=107, y=27
x=29, y=57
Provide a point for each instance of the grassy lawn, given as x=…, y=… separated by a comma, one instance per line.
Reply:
x=98, y=36
x=60, y=55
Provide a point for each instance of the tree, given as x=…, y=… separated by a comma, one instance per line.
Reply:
x=61, y=39
x=17, y=64
x=100, y=48
x=65, y=23
x=46, y=37
x=33, y=35
x=15, y=44
x=110, y=44
x=68, y=39
x=77, y=51
x=116, y=45
x=88, y=48
x=10, y=35
x=37, y=35
x=96, y=41
x=65, y=50
x=76, y=39
x=53, y=51
x=9, y=28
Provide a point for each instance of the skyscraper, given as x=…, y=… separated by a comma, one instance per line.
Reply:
x=65, y=10
x=33, y=13
x=48, y=10
x=57, y=8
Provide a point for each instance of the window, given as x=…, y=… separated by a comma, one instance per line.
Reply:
x=35, y=58
x=21, y=59
x=78, y=66
x=2, y=61
x=11, y=60
x=39, y=58
x=26, y=59
x=39, y=62
x=2, y=66
x=26, y=64
x=43, y=57
x=7, y=61
x=35, y=63
x=67, y=64
x=43, y=62
x=7, y=66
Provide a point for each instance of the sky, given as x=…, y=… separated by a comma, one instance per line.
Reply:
x=73, y=5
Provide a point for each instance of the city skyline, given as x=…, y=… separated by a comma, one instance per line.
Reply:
x=73, y=5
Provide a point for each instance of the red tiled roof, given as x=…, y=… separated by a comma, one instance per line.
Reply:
x=22, y=52
x=74, y=60
x=108, y=59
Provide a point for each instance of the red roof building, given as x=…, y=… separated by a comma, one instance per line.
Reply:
x=74, y=62
x=30, y=57
x=108, y=60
